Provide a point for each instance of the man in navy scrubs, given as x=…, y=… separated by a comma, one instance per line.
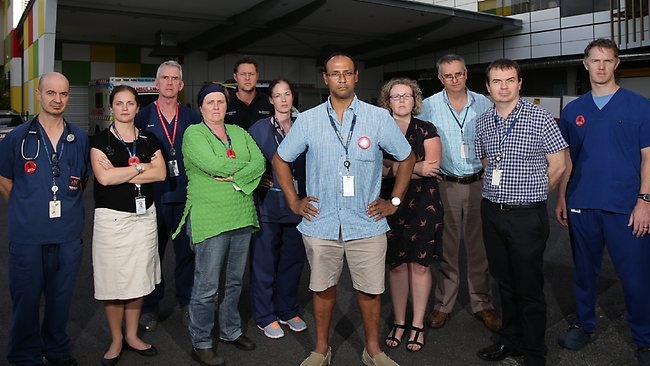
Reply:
x=43, y=169
x=168, y=119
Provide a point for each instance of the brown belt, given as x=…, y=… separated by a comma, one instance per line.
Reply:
x=466, y=179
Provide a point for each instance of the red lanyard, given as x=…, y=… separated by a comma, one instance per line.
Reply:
x=163, y=122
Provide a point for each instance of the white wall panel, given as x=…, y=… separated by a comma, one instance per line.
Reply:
x=577, y=20
x=543, y=38
x=520, y=53
x=523, y=40
x=544, y=25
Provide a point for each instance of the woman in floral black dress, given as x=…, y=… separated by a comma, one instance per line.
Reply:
x=416, y=228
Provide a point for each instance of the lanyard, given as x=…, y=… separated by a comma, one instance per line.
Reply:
x=460, y=124
x=133, y=159
x=229, y=150
x=338, y=134
x=163, y=122
x=53, y=158
x=278, y=128
x=510, y=127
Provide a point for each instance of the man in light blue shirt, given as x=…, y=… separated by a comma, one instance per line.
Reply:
x=343, y=214
x=454, y=111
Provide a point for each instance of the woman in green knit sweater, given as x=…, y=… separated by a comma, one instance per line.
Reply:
x=224, y=166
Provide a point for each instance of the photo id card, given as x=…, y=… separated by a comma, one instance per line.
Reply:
x=55, y=209
x=464, y=151
x=140, y=205
x=172, y=168
x=348, y=186
x=496, y=177
x=295, y=185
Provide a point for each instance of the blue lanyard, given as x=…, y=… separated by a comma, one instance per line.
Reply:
x=453, y=114
x=510, y=127
x=135, y=141
x=345, y=145
x=55, y=157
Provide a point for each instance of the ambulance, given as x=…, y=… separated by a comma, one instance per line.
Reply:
x=99, y=109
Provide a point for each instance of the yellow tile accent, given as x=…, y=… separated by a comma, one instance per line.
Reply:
x=102, y=53
x=41, y=17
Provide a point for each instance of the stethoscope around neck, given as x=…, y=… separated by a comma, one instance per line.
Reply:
x=36, y=131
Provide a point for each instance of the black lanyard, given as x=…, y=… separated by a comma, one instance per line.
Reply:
x=278, y=128
x=133, y=158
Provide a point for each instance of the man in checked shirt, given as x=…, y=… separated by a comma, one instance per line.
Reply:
x=524, y=153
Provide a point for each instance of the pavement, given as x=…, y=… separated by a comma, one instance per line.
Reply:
x=453, y=345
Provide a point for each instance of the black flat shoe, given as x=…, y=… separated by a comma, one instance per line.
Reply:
x=242, y=342
x=111, y=361
x=496, y=352
x=149, y=352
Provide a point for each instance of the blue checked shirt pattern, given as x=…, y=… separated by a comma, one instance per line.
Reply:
x=437, y=110
x=522, y=154
x=313, y=132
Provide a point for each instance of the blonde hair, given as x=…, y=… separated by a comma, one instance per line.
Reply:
x=384, y=96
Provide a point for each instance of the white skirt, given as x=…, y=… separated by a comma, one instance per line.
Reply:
x=126, y=264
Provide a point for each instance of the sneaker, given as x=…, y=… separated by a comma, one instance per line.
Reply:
x=207, y=357
x=273, y=330
x=380, y=359
x=574, y=338
x=316, y=359
x=643, y=355
x=185, y=312
x=149, y=322
x=296, y=324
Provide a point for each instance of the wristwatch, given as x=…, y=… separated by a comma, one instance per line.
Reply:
x=644, y=196
x=395, y=201
x=139, y=168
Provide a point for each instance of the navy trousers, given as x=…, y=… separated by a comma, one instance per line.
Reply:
x=277, y=258
x=591, y=231
x=37, y=271
x=169, y=216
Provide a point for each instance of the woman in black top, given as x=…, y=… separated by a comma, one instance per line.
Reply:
x=126, y=266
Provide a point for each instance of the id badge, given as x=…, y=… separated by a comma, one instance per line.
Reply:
x=464, y=151
x=496, y=177
x=55, y=209
x=140, y=205
x=295, y=185
x=236, y=187
x=172, y=168
x=348, y=186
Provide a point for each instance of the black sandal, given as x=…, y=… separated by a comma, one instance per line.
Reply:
x=391, y=336
x=414, y=340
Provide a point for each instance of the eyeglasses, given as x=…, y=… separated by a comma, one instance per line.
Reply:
x=337, y=74
x=397, y=97
x=457, y=76
x=56, y=171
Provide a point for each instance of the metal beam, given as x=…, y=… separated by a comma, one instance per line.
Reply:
x=431, y=47
x=272, y=27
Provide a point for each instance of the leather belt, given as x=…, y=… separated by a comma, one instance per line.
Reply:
x=515, y=205
x=465, y=179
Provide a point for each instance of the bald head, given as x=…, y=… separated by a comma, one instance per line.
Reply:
x=53, y=93
x=52, y=76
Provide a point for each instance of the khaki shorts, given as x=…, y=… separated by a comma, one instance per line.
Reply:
x=366, y=259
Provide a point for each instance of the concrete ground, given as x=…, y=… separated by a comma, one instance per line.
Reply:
x=453, y=345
